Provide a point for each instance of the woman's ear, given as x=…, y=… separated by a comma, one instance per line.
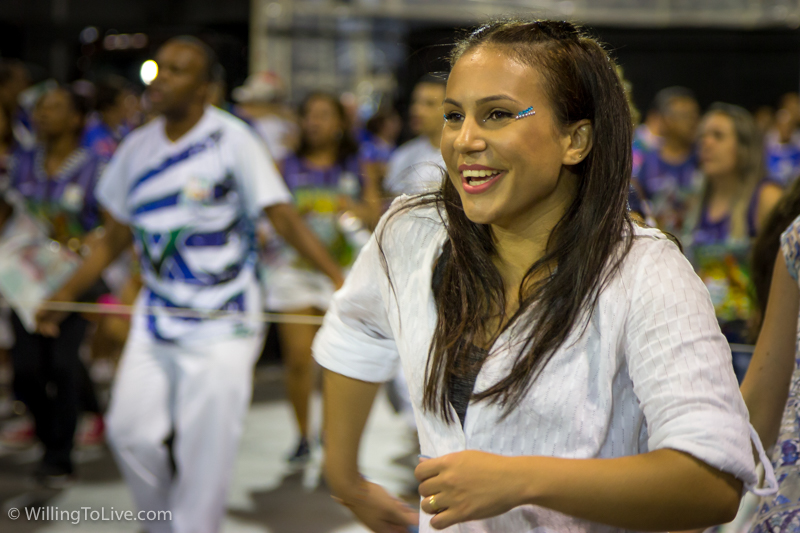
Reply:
x=578, y=142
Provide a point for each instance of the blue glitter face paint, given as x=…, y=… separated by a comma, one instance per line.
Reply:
x=525, y=113
x=522, y=114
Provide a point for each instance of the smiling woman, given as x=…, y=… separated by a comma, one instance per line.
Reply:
x=565, y=366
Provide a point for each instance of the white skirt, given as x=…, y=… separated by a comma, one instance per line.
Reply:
x=290, y=289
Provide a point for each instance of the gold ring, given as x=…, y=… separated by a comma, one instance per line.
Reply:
x=432, y=503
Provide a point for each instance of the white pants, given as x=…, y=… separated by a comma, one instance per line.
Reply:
x=202, y=394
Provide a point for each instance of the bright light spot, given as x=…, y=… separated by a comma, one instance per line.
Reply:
x=89, y=35
x=149, y=71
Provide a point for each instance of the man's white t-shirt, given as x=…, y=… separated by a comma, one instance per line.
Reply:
x=416, y=167
x=191, y=205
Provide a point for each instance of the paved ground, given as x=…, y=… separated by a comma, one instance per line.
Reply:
x=266, y=495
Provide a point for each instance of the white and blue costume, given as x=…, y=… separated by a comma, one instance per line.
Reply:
x=191, y=205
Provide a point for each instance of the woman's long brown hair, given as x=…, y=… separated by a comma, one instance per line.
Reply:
x=587, y=246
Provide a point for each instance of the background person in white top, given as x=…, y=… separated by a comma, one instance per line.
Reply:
x=565, y=366
x=416, y=166
x=261, y=101
x=186, y=188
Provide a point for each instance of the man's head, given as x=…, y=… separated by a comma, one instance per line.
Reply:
x=426, y=116
x=185, y=71
x=680, y=114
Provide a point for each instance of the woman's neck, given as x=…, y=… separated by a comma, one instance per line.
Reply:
x=723, y=191
x=675, y=151
x=57, y=150
x=523, y=243
x=323, y=156
x=515, y=255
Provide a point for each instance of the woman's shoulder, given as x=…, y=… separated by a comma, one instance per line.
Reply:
x=412, y=223
x=653, y=254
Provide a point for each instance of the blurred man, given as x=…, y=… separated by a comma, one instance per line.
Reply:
x=668, y=177
x=187, y=188
x=417, y=166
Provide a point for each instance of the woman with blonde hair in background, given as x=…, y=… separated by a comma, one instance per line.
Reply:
x=734, y=202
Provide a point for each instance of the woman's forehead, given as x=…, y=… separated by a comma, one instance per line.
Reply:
x=718, y=120
x=492, y=70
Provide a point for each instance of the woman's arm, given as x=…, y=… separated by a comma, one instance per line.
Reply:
x=290, y=225
x=370, y=206
x=766, y=384
x=640, y=492
x=347, y=405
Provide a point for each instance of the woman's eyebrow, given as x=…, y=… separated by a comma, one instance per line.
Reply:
x=483, y=100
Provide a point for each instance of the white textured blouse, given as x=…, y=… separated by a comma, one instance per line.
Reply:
x=650, y=371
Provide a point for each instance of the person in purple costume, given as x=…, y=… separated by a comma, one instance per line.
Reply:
x=667, y=175
x=325, y=179
x=106, y=127
x=56, y=180
x=735, y=201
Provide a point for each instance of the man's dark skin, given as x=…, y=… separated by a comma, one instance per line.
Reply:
x=179, y=94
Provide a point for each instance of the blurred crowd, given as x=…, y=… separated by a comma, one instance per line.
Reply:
x=711, y=178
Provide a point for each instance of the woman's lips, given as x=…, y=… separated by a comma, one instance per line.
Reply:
x=480, y=184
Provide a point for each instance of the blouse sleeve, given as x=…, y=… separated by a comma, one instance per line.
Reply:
x=790, y=246
x=680, y=364
x=356, y=338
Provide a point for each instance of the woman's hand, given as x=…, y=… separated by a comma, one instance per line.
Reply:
x=380, y=511
x=468, y=485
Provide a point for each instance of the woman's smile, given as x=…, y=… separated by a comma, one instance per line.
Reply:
x=477, y=179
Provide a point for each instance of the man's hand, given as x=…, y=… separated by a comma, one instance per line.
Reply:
x=102, y=251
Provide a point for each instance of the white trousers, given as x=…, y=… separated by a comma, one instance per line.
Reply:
x=201, y=393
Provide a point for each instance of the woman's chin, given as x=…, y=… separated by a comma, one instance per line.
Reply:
x=479, y=215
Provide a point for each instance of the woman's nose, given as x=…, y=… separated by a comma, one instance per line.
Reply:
x=470, y=137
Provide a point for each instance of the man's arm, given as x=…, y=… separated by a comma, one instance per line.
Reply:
x=289, y=225
x=116, y=238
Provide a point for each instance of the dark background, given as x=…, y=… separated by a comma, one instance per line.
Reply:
x=749, y=68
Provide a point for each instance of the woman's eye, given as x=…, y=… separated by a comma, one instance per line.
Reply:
x=453, y=116
x=499, y=115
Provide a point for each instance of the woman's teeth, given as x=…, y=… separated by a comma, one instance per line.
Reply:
x=476, y=177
